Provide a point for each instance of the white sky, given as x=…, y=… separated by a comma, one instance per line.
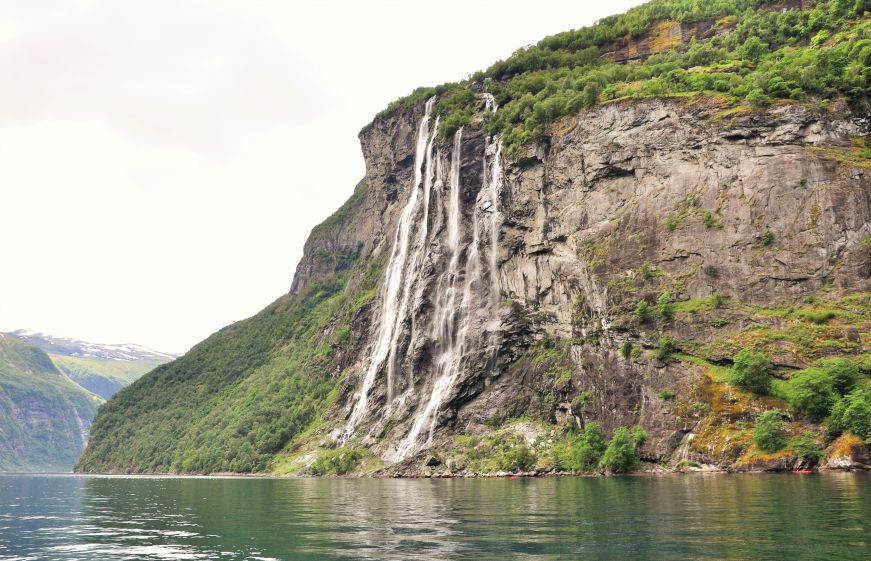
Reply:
x=162, y=162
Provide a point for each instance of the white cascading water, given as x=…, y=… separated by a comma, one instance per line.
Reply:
x=494, y=180
x=464, y=298
x=412, y=272
x=452, y=324
x=391, y=299
x=449, y=345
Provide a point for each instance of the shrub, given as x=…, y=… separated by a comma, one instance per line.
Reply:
x=767, y=237
x=626, y=349
x=648, y=271
x=808, y=450
x=717, y=300
x=516, y=458
x=751, y=370
x=664, y=348
x=812, y=392
x=708, y=219
x=768, y=434
x=853, y=413
x=664, y=305
x=642, y=311
x=584, y=452
x=620, y=456
x=814, y=316
x=843, y=372
x=336, y=462
x=670, y=223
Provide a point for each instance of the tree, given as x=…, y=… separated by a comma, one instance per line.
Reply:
x=587, y=450
x=642, y=311
x=843, y=372
x=808, y=450
x=752, y=371
x=620, y=456
x=664, y=305
x=853, y=413
x=768, y=434
x=812, y=392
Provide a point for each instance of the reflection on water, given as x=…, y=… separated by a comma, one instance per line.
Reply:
x=680, y=517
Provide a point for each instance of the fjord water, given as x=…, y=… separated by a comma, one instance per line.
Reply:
x=668, y=518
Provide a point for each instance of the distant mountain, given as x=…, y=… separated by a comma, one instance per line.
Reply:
x=50, y=389
x=45, y=418
x=100, y=368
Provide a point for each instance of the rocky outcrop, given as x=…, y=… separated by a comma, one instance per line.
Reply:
x=621, y=203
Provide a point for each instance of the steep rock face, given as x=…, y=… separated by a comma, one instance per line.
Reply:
x=754, y=205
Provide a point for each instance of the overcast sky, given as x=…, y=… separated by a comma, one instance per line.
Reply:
x=162, y=162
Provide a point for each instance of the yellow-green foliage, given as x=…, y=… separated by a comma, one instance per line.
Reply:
x=339, y=461
x=764, y=55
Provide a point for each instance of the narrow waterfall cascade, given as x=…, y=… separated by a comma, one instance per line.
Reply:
x=412, y=272
x=480, y=295
x=394, y=292
x=462, y=294
x=494, y=181
x=449, y=340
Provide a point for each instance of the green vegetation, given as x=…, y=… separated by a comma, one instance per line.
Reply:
x=642, y=311
x=621, y=456
x=664, y=305
x=852, y=413
x=807, y=449
x=102, y=377
x=648, y=271
x=752, y=371
x=815, y=390
x=237, y=399
x=812, y=393
x=502, y=452
x=582, y=451
x=41, y=410
x=664, y=349
x=768, y=434
x=767, y=237
x=336, y=462
x=758, y=55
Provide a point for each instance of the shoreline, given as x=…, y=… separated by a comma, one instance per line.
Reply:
x=661, y=472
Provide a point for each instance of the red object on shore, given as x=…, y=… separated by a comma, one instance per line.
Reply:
x=802, y=471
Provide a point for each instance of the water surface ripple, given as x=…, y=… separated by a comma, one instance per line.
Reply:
x=726, y=517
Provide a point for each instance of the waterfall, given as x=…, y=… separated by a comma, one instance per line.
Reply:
x=449, y=345
x=453, y=323
x=463, y=292
x=413, y=269
x=494, y=180
x=394, y=293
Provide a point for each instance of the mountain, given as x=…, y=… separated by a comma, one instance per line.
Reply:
x=644, y=241
x=101, y=369
x=45, y=417
x=50, y=389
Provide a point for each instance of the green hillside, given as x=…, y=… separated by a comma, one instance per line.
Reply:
x=100, y=376
x=44, y=416
x=750, y=52
x=245, y=395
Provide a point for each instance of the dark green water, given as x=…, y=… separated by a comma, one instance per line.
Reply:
x=779, y=517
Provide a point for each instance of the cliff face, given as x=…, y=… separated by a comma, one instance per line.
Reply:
x=623, y=203
x=467, y=310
